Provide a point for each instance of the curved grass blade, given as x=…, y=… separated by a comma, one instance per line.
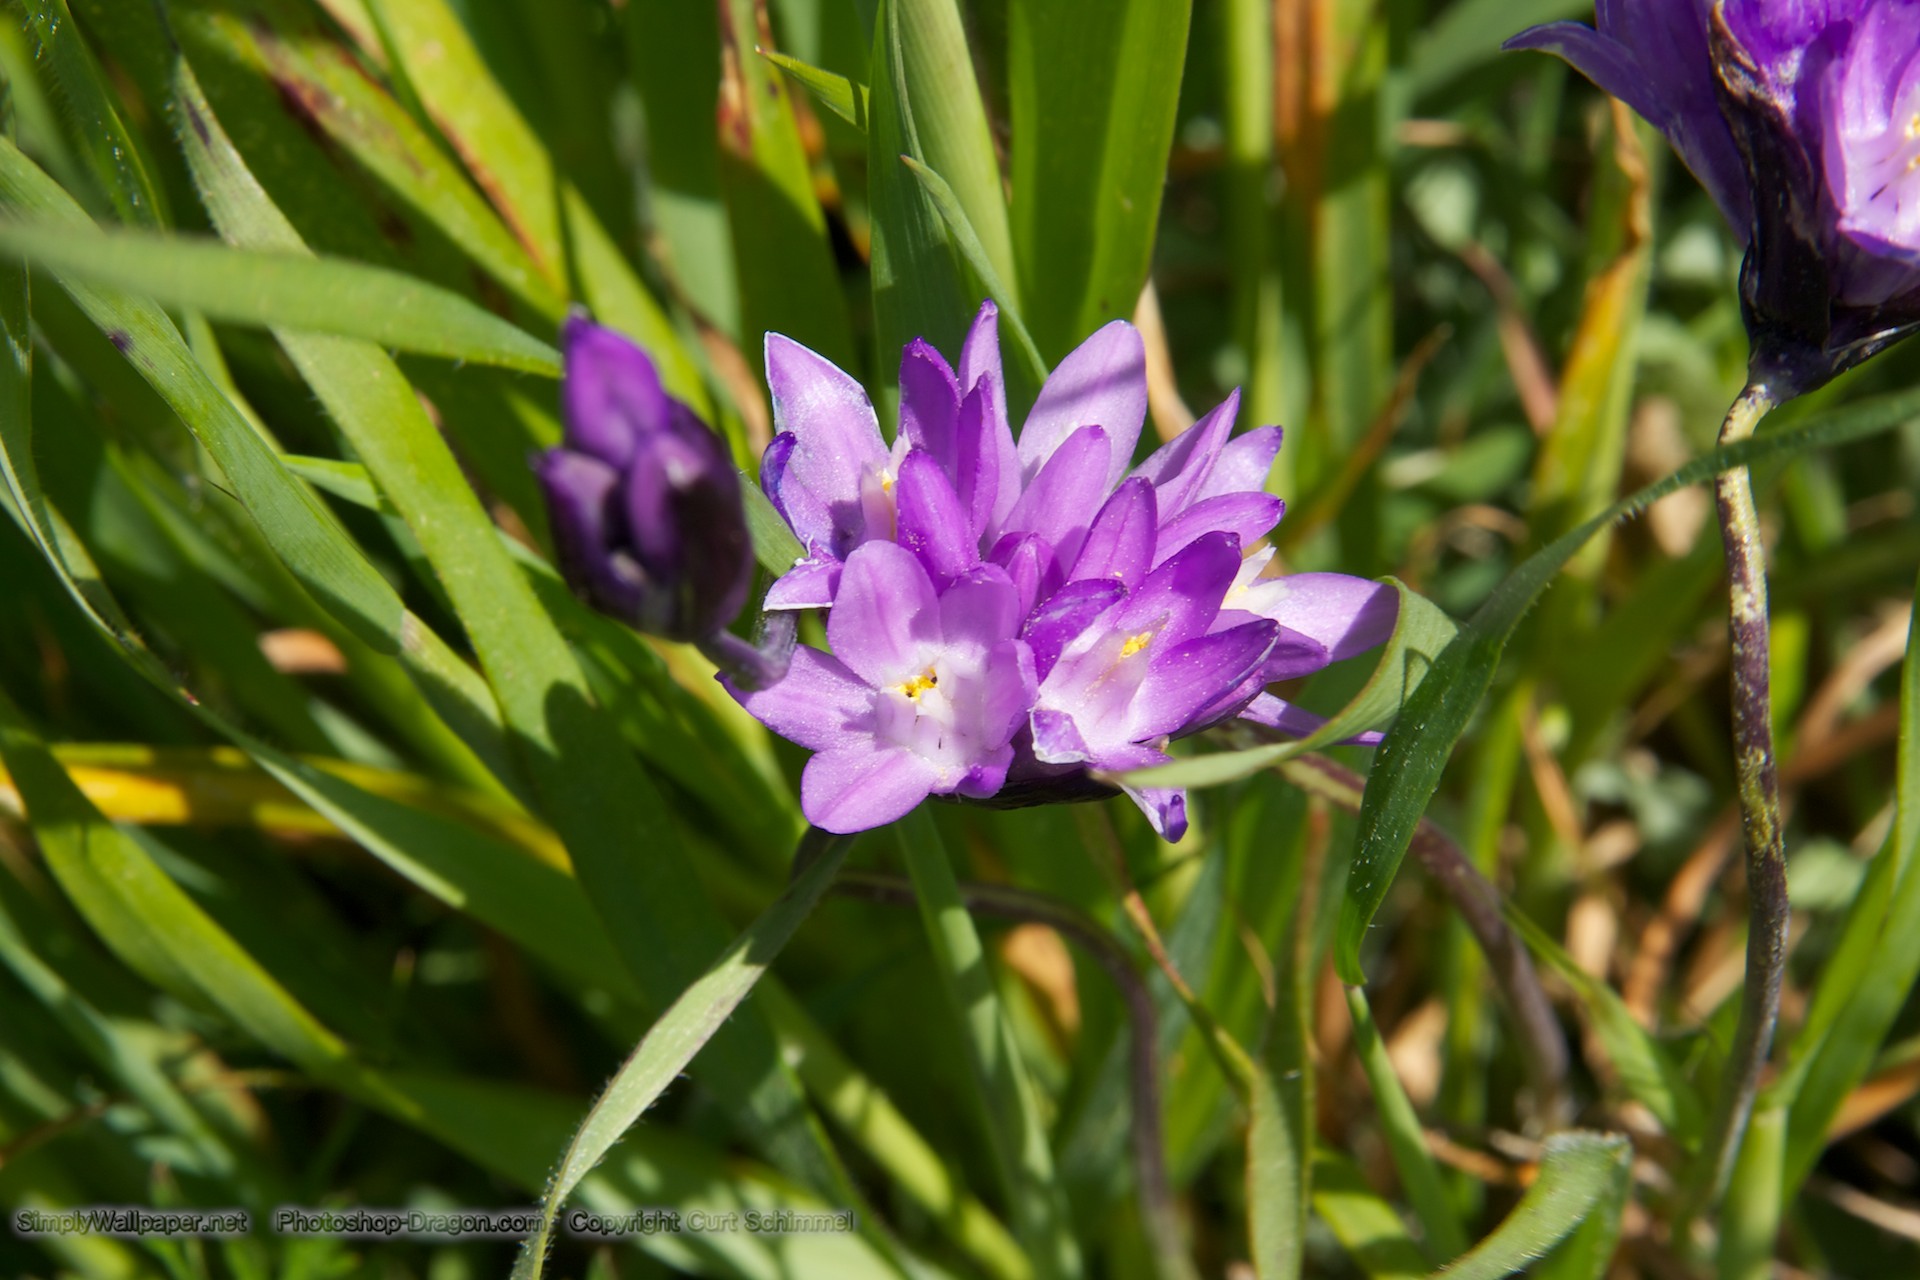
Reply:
x=845, y=98
x=1406, y=771
x=1406, y=1142
x=1420, y=634
x=682, y=1030
x=299, y=529
x=1367, y=1227
x=284, y=290
x=1581, y=1171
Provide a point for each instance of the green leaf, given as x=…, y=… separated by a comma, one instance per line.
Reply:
x=1420, y=633
x=1581, y=1171
x=1406, y=1140
x=1368, y=1228
x=284, y=290
x=1645, y=1070
x=1406, y=770
x=1465, y=35
x=1093, y=87
x=1022, y=1153
x=1273, y=1183
x=836, y=93
x=294, y=523
x=682, y=1031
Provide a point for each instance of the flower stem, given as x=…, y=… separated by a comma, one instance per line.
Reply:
x=1768, y=910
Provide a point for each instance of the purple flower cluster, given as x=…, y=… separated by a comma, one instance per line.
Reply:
x=1006, y=616
x=1802, y=119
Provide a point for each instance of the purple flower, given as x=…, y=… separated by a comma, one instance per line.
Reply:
x=1803, y=121
x=643, y=501
x=1134, y=616
x=921, y=696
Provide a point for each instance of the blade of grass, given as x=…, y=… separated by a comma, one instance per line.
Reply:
x=313, y=545
x=1407, y=769
x=1022, y=1153
x=680, y=1033
x=284, y=290
x=1581, y=1171
x=1367, y=1227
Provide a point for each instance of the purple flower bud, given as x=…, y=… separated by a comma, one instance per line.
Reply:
x=1803, y=121
x=643, y=501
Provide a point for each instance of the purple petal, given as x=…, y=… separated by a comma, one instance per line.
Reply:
x=885, y=616
x=1294, y=654
x=583, y=512
x=1179, y=600
x=1056, y=739
x=1120, y=543
x=1347, y=615
x=819, y=704
x=929, y=402
x=980, y=371
x=610, y=392
x=1060, y=502
x=1184, y=462
x=1029, y=560
x=859, y=788
x=810, y=584
x=1247, y=516
x=980, y=611
x=836, y=440
x=1068, y=612
x=1191, y=677
x=932, y=523
x=1244, y=465
x=1165, y=808
x=984, y=464
x=1296, y=721
x=1009, y=681
x=1102, y=383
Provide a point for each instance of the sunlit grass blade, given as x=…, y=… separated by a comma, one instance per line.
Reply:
x=682, y=1031
x=292, y=519
x=1093, y=86
x=1407, y=769
x=1581, y=1170
x=1367, y=1227
x=1407, y=1142
x=1022, y=1153
x=284, y=290
x=1420, y=634
x=836, y=93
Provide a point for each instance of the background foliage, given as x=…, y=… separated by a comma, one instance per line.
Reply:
x=343, y=856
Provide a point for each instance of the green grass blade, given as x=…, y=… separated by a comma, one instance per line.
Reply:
x=836, y=93
x=1022, y=1153
x=1274, y=1182
x=1420, y=634
x=1407, y=769
x=1093, y=88
x=1406, y=1140
x=1367, y=1227
x=294, y=523
x=1581, y=1171
x=284, y=290
x=680, y=1033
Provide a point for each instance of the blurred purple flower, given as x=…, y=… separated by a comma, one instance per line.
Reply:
x=642, y=499
x=1137, y=619
x=1803, y=121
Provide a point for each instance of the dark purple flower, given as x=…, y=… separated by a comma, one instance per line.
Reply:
x=921, y=696
x=1803, y=121
x=642, y=498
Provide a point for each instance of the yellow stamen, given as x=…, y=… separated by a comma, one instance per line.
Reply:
x=1136, y=643
x=927, y=679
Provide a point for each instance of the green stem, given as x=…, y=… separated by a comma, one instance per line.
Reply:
x=1015, y=1132
x=1768, y=909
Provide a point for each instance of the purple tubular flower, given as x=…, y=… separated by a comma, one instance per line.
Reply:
x=921, y=696
x=643, y=502
x=1007, y=620
x=1803, y=121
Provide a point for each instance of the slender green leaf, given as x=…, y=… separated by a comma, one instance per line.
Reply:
x=1581, y=1171
x=1368, y=1228
x=291, y=518
x=1093, y=87
x=1022, y=1153
x=284, y=290
x=1406, y=1140
x=1407, y=769
x=1273, y=1183
x=837, y=94
x=1420, y=634
x=1465, y=35
x=671, y=1043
